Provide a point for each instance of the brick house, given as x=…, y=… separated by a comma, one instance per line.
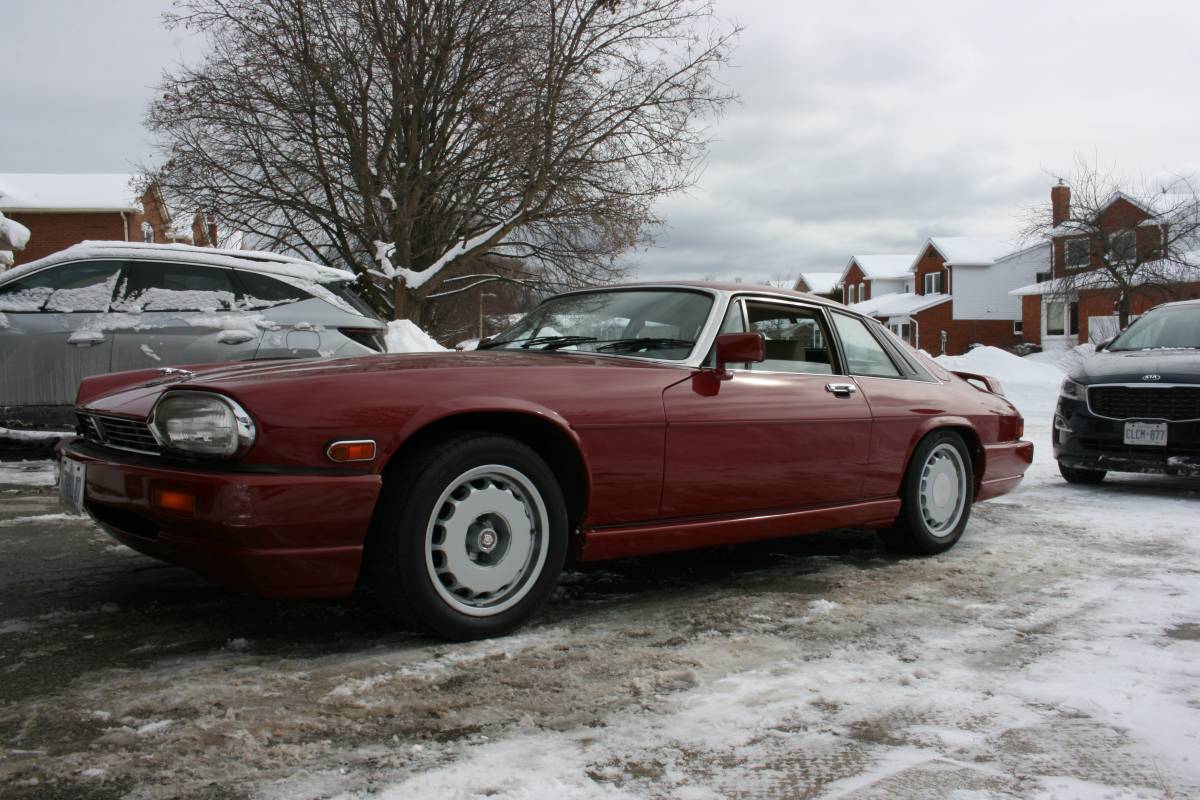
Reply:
x=823, y=284
x=867, y=276
x=1054, y=317
x=955, y=294
x=64, y=209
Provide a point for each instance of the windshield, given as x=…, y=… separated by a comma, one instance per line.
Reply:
x=1175, y=327
x=652, y=323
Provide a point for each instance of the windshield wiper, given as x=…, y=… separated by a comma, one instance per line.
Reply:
x=645, y=343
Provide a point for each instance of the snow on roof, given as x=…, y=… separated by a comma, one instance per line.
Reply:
x=255, y=260
x=967, y=250
x=45, y=191
x=818, y=282
x=898, y=305
x=880, y=266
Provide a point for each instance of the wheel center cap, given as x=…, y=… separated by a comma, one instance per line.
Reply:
x=487, y=540
x=941, y=490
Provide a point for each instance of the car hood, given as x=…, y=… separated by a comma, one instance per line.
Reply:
x=1132, y=366
x=288, y=369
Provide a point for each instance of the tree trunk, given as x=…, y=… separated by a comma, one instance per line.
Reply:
x=1123, y=310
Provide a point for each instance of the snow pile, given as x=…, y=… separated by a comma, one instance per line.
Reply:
x=13, y=236
x=1032, y=386
x=1066, y=360
x=403, y=336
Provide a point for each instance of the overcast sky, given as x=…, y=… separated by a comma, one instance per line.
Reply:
x=863, y=126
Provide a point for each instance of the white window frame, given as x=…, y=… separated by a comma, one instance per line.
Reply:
x=937, y=279
x=1066, y=318
x=1018, y=327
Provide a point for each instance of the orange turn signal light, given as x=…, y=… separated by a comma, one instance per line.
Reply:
x=173, y=500
x=355, y=450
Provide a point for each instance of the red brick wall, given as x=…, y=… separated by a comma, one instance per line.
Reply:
x=960, y=333
x=1120, y=215
x=1103, y=303
x=931, y=261
x=1031, y=318
x=854, y=276
x=50, y=233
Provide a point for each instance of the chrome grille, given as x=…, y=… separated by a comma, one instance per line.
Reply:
x=1146, y=402
x=126, y=434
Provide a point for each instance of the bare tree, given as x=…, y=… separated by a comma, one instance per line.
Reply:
x=1133, y=239
x=397, y=137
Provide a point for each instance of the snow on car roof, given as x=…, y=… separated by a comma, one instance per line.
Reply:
x=45, y=191
x=253, y=260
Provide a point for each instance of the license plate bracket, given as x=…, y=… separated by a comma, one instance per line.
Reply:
x=1146, y=434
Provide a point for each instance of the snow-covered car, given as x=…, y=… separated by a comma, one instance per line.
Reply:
x=101, y=307
x=1134, y=406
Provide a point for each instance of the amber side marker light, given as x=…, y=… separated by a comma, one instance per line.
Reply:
x=356, y=450
x=173, y=500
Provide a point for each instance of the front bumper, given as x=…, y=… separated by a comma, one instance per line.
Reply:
x=277, y=534
x=1082, y=440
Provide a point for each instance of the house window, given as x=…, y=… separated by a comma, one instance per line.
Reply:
x=1122, y=246
x=933, y=283
x=1018, y=327
x=147, y=232
x=1042, y=277
x=901, y=329
x=1078, y=252
x=1062, y=318
x=862, y=292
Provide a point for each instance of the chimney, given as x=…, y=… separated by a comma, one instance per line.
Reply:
x=1060, y=203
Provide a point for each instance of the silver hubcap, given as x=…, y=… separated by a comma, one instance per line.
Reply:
x=486, y=542
x=942, y=493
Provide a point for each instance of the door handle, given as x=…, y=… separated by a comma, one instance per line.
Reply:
x=234, y=336
x=841, y=389
x=85, y=338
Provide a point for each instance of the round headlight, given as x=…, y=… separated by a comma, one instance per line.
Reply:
x=202, y=424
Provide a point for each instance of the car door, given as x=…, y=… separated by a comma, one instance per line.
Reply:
x=177, y=313
x=787, y=433
x=901, y=395
x=55, y=331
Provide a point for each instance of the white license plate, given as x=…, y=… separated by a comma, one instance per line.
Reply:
x=71, y=482
x=1146, y=433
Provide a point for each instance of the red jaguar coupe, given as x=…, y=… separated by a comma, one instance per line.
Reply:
x=606, y=423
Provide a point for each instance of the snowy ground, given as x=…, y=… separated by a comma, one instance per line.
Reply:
x=1055, y=653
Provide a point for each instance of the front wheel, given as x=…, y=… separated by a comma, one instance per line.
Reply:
x=936, y=496
x=470, y=537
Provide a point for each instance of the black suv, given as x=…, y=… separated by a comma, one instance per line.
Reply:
x=1134, y=406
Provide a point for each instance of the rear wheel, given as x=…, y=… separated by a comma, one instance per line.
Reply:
x=469, y=538
x=1082, y=476
x=936, y=496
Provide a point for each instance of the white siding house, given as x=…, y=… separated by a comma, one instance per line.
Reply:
x=982, y=291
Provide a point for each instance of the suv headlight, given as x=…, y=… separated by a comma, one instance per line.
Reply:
x=1073, y=391
x=202, y=424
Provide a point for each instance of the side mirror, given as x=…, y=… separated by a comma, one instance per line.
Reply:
x=733, y=348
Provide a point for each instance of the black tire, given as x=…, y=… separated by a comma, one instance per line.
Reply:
x=1087, y=477
x=925, y=527
x=410, y=556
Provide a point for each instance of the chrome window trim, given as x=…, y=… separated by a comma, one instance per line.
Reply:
x=1145, y=386
x=819, y=310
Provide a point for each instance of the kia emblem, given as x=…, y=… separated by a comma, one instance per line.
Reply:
x=1151, y=377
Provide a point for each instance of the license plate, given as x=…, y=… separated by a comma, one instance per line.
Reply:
x=71, y=483
x=1146, y=433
